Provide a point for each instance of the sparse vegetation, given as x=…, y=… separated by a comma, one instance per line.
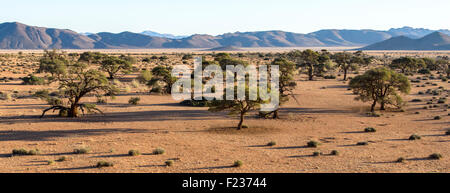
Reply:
x=134, y=100
x=134, y=153
x=362, y=143
x=19, y=152
x=370, y=130
x=81, y=151
x=238, y=164
x=159, y=151
x=435, y=156
x=102, y=164
x=415, y=137
x=312, y=144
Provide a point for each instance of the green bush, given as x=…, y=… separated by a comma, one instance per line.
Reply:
x=134, y=153
x=317, y=153
x=435, y=156
x=102, y=164
x=415, y=137
x=81, y=151
x=61, y=159
x=334, y=152
x=32, y=80
x=169, y=163
x=158, y=151
x=134, y=100
x=370, y=130
x=362, y=143
x=238, y=163
x=24, y=152
x=272, y=143
x=312, y=144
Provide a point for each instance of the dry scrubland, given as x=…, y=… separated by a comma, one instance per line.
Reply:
x=196, y=140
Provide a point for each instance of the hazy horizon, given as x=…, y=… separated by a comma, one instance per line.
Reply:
x=211, y=17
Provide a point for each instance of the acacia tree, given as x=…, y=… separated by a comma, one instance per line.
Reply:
x=53, y=62
x=315, y=63
x=112, y=65
x=162, y=75
x=348, y=62
x=443, y=65
x=236, y=106
x=286, y=82
x=405, y=64
x=74, y=84
x=92, y=57
x=380, y=85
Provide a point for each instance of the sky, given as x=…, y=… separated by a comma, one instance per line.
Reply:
x=214, y=17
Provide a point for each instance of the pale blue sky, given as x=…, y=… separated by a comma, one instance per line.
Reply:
x=185, y=17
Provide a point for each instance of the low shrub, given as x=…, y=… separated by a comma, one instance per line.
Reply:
x=158, y=151
x=134, y=153
x=102, y=164
x=81, y=151
x=435, y=156
x=362, y=143
x=169, y=163
x=415, y=137
x=134, y=100
x=238, y=163
x=272, y=143
x=312, y=144
x=370, y=130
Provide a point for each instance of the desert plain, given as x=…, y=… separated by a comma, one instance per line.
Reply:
x=199, y=141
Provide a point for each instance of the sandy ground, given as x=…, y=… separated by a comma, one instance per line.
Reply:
x=196, y=140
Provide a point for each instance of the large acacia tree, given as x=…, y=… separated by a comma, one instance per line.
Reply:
x=75, y=81
x=78, y=82
x=380, y=85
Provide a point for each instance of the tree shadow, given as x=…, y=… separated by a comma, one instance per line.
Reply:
x=75, y=168
x=398, y=139
x=154, y=165
x=291, y=147
x=214, y=168
x=353, y=132
x=315, y=111
x=23, y=135
x=123, y=117
x=257, y=146
x=299, y=156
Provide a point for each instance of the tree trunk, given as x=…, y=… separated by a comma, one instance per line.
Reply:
x=239, y=127
x=382, y=106
x=275, y=114
x=372, y=109
x=345, y=74
x=310, y=73
x=73, y=111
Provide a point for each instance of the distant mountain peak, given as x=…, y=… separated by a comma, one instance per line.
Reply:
x=156, y=34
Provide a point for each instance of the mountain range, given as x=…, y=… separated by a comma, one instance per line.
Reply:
x=16, y=35
x=433, y=41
